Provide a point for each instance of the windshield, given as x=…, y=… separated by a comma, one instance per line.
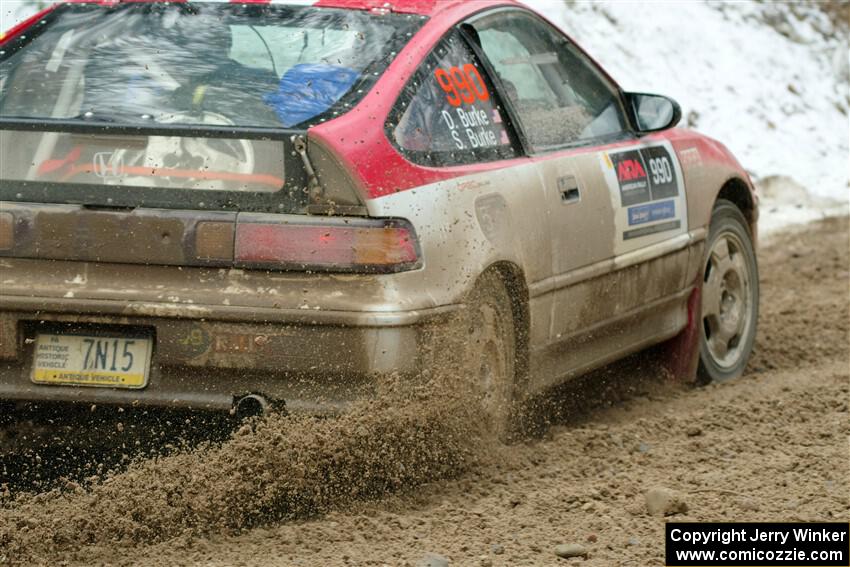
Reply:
x=201, y=63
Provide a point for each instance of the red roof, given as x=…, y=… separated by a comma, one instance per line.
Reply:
x=423, y=7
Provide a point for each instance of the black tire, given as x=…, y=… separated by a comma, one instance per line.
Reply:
x=730, y=296
x=478, y=354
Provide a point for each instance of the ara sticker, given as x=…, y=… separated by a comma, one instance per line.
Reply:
x=631, y=175
x=647, y=194
x=645, y=175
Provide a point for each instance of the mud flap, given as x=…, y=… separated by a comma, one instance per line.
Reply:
x=680, y=355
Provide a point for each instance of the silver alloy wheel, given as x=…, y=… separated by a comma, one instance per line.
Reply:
x=485, y=346
x=726, y=300
x=492, y=371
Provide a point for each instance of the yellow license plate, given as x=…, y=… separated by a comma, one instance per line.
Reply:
x=82, y=360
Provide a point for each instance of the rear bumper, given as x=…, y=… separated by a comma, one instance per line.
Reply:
x=206, y=357
x=305, y=316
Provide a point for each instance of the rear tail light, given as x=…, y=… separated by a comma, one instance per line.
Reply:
x=342, y=245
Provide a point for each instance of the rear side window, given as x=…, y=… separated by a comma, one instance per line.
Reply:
x=560, y=98
x=449, y=113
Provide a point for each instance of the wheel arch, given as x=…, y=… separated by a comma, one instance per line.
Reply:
x=737, y=191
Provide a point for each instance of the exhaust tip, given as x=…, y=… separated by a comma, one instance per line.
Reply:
x=252, y=405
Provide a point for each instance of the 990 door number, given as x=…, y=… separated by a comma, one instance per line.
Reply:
x=662, y=171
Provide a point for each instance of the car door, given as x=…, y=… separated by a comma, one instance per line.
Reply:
x=573, y=123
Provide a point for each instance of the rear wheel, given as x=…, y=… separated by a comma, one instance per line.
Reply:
x=479, y=358
x=730, y=296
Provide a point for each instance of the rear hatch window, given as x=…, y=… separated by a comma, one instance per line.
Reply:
x=184, y=104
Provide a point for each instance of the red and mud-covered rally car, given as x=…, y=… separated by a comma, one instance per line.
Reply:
x=219, y=205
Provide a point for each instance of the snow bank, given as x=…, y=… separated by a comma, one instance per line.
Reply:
x=769, y=80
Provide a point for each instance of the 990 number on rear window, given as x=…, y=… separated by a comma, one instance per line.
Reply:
x=447, y=114
x=462, y=86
